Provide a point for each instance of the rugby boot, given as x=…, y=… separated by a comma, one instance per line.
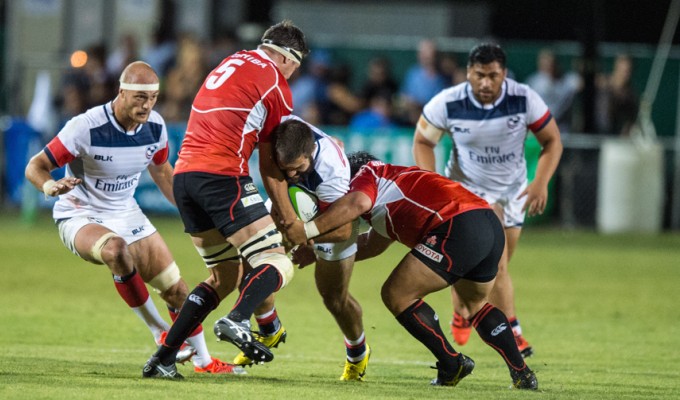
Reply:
x=239, y=334
x=218, y=366
x=270, y=341
x=355, y=371
x=452, y=377
x=460, y=329
x=524, y=379
x=154, y=369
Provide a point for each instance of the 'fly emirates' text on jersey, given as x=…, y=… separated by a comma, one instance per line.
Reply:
x=239, y=104
x=109, y=160
x=329, y=179
x=488, y=139
x=409, y=202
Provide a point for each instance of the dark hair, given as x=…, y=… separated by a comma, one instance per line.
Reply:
x=286, y=34
x=486, y=53
x=293, y=139
x=358, y=159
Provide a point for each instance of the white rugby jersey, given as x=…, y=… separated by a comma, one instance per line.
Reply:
x=329, y=179
x=109, y=160
x=488, y=149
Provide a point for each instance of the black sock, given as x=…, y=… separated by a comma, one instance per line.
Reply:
x=200, y=302
x=257, y=285
x=421, y=322
x=494, y=329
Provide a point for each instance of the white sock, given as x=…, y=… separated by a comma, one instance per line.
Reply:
x=202, y=357
x=148, y=313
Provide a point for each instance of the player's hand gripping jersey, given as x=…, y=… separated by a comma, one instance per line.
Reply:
x=109, y=160
x=239, y=104
x=409, y=202
x=488, y=149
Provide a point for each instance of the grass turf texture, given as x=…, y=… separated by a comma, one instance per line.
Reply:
x=601, y=312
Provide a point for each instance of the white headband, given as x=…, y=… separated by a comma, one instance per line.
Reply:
x=143, y=87
x=289, y=53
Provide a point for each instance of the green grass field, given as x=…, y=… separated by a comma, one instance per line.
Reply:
x=602, y=313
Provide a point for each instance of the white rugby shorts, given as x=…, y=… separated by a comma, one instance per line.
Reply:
x=513, y=217
x=131, y=226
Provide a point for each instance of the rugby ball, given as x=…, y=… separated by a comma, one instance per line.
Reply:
x=305, y=203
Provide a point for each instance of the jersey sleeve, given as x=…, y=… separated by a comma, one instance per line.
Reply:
x=364, y=181
x=161, y=155
x=538, y=114
x=70, y=142
x=435, y=111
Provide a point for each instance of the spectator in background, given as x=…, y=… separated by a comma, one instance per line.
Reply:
x=184, y=79
x=379, y=79
x=161, y=54
x=450, y=68
x=617, y=100
x=126, y=52
x=556, y=88
x=102, y=86
x=309, y=86
x=378, y=115
x=339, y=103
x=422, y=81
x=226, y=42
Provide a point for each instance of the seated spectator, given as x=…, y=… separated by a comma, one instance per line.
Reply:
x=377, y=116
x=379, y=79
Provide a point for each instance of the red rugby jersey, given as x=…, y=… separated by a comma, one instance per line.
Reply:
x=239, y=104
x=409, y=202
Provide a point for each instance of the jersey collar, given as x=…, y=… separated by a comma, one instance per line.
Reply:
x=499, y=100
x=108, y=110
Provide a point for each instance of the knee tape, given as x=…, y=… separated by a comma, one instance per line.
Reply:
x=214, y=255
x=98, y=246
x=166, y=278
x=255, y=251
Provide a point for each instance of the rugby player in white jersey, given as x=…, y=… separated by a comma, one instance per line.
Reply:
x=105, y=151
x=488, y=118
x=314, y=161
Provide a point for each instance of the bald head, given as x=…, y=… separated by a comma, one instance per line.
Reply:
x=139, y=75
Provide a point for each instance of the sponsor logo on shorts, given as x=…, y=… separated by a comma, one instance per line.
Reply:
x=137, y=230
x=323, y=249
x=500, y=328
x=252, y=199
x=98, y=157
x=429, y=253
x=431, y=241
x=250, y=187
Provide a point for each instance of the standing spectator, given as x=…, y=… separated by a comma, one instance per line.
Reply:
x=556, y=88
x=105, y=151
x=309, y=85
x=340, y=102
x=487, y=118
x=183, y=79
x=449, y=66
x=617, y=100
x=236, y=109
x=455, y=240
x=422, y=81
x=378, y=115
x=126, y=52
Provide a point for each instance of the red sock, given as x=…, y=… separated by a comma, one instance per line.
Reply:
x=132, y=289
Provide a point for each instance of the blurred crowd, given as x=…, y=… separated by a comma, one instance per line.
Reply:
x=322, y=88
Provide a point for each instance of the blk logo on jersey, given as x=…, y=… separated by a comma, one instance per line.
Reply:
x=99, y=157
x=429, y=253
x=458, y=129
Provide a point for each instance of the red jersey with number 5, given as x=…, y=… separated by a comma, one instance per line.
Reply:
x=239, y=104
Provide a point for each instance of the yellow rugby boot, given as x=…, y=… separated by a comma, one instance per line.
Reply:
x=269, y=341
x=356, y=371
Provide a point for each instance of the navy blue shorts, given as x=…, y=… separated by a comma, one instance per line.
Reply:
x=207, y=201
x=468, y=246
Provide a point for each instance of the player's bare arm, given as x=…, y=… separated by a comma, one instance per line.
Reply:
x=38, y=173
x=162, y=176
x=275, y=184
x=537, y=191
x=425, y=140
x=346, y=209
